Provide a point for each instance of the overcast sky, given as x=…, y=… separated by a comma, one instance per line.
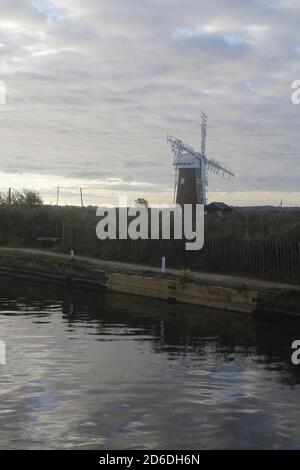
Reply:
x=93, y=87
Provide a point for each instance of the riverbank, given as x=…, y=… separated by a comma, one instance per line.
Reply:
x=233, y=293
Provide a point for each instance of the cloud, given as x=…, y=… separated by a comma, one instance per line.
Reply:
x=20, y=12
x=94, y=87
x=218, y=44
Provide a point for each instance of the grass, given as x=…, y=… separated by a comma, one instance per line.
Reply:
x=20, y=226
x=44, y=263
x=286, y=293
x=284, y=278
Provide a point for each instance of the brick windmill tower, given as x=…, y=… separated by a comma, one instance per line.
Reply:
x=191, y=167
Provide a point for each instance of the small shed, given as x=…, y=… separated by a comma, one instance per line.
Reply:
x=218, y=208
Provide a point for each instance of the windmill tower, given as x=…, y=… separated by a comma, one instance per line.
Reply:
x=191, y=167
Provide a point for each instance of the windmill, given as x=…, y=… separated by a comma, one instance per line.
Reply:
x=191, y=167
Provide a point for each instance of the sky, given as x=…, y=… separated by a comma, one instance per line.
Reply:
x=94, y=86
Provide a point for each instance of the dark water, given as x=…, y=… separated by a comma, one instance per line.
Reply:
x=93, y=372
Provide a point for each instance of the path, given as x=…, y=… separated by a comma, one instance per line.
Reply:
x=133, y=267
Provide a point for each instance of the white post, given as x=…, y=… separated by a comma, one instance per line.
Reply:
x=163, y=265
x=72, y=254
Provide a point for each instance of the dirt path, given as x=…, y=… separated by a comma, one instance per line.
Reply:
x=133, y=267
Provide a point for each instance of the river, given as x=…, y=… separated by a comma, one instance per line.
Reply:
x=108, y=371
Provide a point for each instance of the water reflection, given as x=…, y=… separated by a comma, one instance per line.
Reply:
x=114, y=371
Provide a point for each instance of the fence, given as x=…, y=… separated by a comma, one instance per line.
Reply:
x=228, y=254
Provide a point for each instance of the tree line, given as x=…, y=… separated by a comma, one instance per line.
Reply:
x=26, y=197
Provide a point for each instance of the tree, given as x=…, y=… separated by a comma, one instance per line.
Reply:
x=27, y=197
x=31, y=198
x=141, y=202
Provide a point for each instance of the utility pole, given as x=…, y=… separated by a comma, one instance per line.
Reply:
x=81, y=197
x=9, y=196
x=57, y=196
